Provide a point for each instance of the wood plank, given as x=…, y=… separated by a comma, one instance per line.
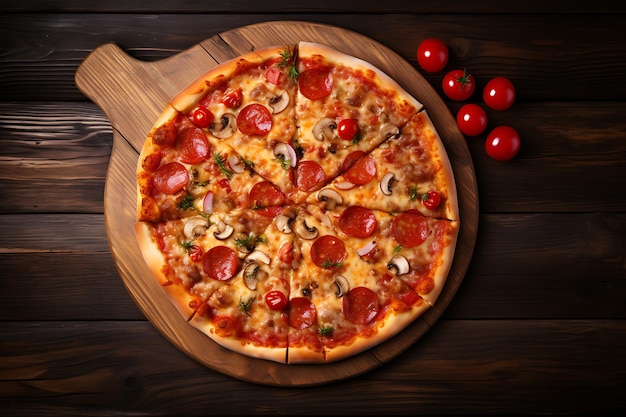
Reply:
x=53, y=157
x=556, y=367
x=47, y=138
x=41, y=286
x=572, y=258
x=274, y=6
x=533, y=58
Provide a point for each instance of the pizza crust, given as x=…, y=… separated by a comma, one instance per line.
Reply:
x=275, y=354
x=191, y=95
x=155, y=261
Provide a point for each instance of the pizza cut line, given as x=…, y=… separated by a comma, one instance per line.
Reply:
x=297, y=205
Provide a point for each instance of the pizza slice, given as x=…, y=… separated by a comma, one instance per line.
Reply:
x=417, y=249
x=247, y=315
x=343, y=105
x=410, y=172
x=340, y=301
x=249, y=103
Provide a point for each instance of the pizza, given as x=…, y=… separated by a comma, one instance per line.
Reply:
x=297, y=205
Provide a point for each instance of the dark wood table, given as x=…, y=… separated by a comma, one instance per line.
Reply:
x=537, y=326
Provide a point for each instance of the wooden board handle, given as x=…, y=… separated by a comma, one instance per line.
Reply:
x=133, y=93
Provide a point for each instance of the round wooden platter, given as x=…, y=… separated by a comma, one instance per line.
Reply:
x=133, y=94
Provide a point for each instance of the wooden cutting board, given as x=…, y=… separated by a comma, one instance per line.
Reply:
x=133, y=94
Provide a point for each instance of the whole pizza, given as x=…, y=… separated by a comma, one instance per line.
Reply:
x=297, y=205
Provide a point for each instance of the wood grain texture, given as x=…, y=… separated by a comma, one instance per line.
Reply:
x=128, y=367
x=536, y=327
x=115, y=82
x=545, y=61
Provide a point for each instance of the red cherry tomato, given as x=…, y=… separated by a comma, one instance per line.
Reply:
x=432, y=55
x=347, y=129
x=499, y=93
x=431, y=199
x=233, y=98
x=195, y=253
x=458, y=85
x=202, y=117
x=276, y=300
x=503, y=143
x=471, y=119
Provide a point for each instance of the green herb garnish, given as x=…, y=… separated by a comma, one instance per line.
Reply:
x=331, y=264
x=289, y=60
x=244, y=306
x=221, y=164
x=325, y=331
x=186, y=203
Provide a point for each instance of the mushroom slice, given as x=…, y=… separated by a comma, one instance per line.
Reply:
x=283, y=223
x=304, y=231
x=341, y=286
x=389, y=130
x=386, y=183
x=224, y=127
x=286, y=153
x=330, y=197
x=224, y=231
x=258, y=257
x=279, y=102
x=399, y=264
x=324, y=129
x=344, y=185
x=195, y=226
x=250, y=273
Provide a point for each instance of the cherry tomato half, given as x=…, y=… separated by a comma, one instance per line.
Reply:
x=458, y=85
x=431, y=199
x=202, y=117
x=503, y=143
x=432, y=55
x=499, y=93
x=233, y=98
x=471, y=119
x=276, y=300
x=347, y=129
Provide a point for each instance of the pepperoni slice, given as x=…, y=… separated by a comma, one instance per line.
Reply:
x=265, y=194
x=357, y=221
x=254, y=119
x=302, y=313
x=192, y=146
x=410, y=229
x=351, y=159
x=309, y=175
x=315, y=84
x=220, y=263
x=328, y=251
x=171, y=178
x=362, y=172
x=360, y=305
